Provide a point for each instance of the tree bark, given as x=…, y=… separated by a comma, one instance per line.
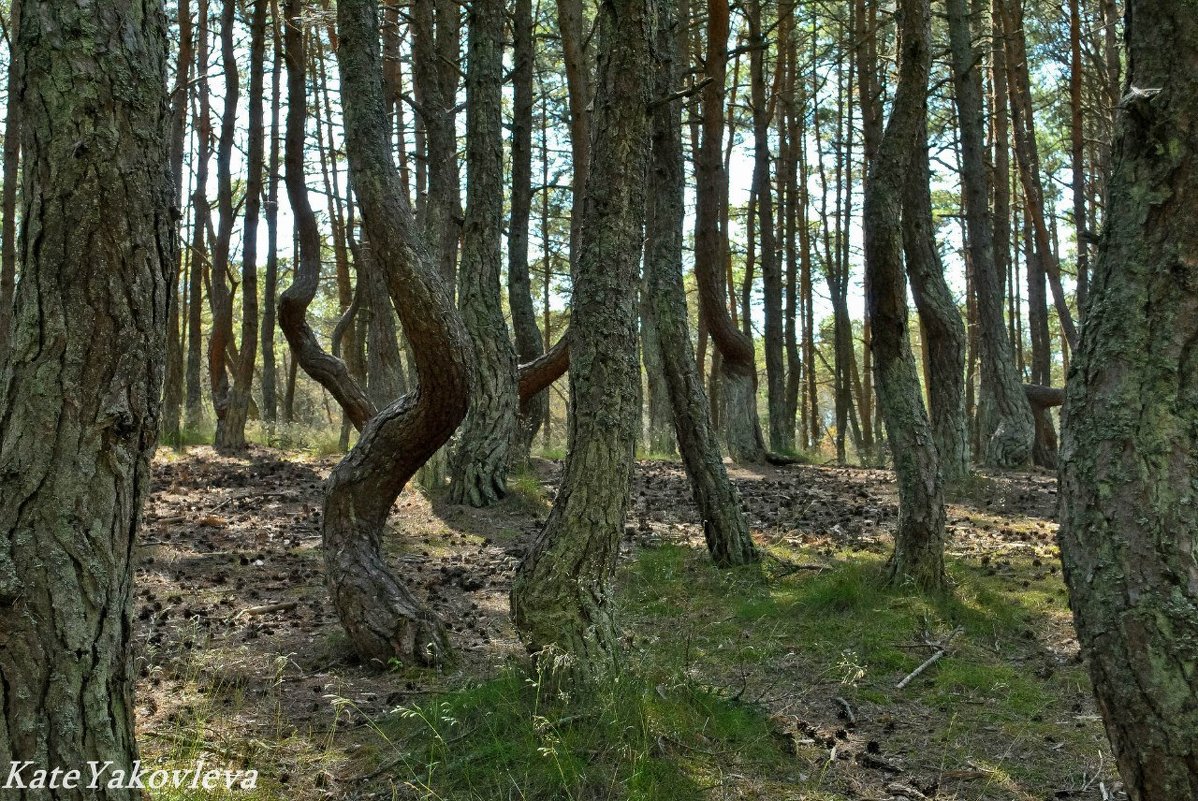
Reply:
x=79, y=388
x=328, y=370
x=724, y=525
x=481, y=461
x=741, y=427
x=382, y=617
x=193, y=407
x=12, y=162
x=943, y=331
x=1129, y=521
x=529, y=346
x=578, y=93
x=919, y=537
x=1006, y=425
x=560, y=595
x=270, y=403
x=172, y=389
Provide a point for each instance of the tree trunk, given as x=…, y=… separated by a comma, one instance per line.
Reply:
x=382, y=617
x=724, y=525
x=232, y=434
x=12, y=162
x=79, y=388
x=660, y=436
x=172, y=390
x=519, y=286
x=943, y=331
x=329, y=371
x=578, y=91
x=270, y=403
x=481, y=462
x=193, y=406
x=560, y=595
x=738, y=369
x=1129, y=522
x=919, y=537
x=1006, y=425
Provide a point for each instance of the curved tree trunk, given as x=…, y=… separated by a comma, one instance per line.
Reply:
x=383, y=619
x=328, y=370
x=740, y=425
x=1129, y=455
x=481, y=462
x=519, y=287
x=944, y=333
x=724, y=525
x=79, y=389
x=919, y=538
x=1006, y=424
x=560, y=595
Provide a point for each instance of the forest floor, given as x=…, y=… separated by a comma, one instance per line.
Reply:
x=772, y=683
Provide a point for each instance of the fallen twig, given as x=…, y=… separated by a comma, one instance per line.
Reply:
x=266, y=609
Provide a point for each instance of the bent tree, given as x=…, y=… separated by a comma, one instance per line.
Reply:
x=560, y=594
x=79, y=389
x=919, y=538
x=724, y=526
x=383, y=618
x=1129, y=451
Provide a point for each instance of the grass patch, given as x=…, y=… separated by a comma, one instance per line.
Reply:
x=631, y=737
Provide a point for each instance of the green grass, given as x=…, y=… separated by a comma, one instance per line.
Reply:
x=633, y=736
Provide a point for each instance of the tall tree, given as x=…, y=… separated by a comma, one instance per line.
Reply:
x=1129, y=453
x=198, y=258
x=172, y=390
x=79, y=388
x=741, y=427
x=1006, y=417
x=384, y=620
x=481, y=462
x=306, y=350
x=724, y=526
x=270, y=404
x=519, y=285
x=560, y=596
x=919, y=538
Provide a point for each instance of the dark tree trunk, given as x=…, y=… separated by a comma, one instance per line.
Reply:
x=382, y=617
x=560, y=597
x=79, y=389
x=660, y=436
x=270, y=403
x=1129, y=522
x=919, y=538
x=943, y=331
x=232, y=433
x=724, y=525
x=481, y=462
x=740, y=427
x=198, y=258
x=172, y=390
x=571, y=27
x=306, y=351
x=12, y=163
x=519, y=286
x=1006, y=423
x=221, y=296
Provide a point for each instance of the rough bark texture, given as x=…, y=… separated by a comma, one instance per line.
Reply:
x=571, y=26
x=12, y=161
x=330, y=371
x=79, y=391
x=740, y=427
x=919, y=538
x=383, y=619
x=943, y=331
x=1007, y=428
x=519, y=287
x=481, y=461
x=1129, y=501
x=560, y=597
x=724, y=525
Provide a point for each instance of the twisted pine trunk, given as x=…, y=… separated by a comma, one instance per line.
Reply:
x=79, y=388
x=919, y=538
x=382, y=617
x=481, y=462
x=724, y=525
x=560, y=595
